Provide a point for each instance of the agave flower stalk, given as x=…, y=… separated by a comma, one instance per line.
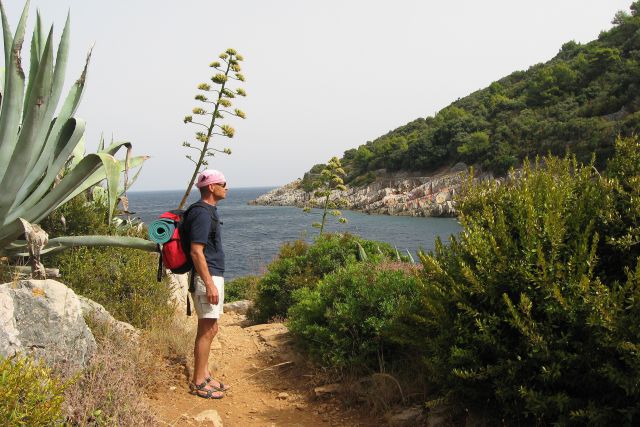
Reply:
x=330, y=180
x=223, y=96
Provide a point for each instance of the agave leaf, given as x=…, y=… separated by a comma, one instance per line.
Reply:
x=49, y=160
x=1, y=83
x=61, y=243
x=72, y=181
x=14, y=90
x=7, y=37
x=67, y=140
x=128, y=185
x=29, y=144
x=78, y=152
x=98, y=176
x=69, y=107
x=9, y=232
x=398, y=258
x=37, y=43
x=54, y=96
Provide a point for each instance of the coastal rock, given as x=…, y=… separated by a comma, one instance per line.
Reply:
x=44, y=318
x=389, y=195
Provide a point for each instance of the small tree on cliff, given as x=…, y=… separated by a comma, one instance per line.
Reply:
x=330, y=179
x=228, y=70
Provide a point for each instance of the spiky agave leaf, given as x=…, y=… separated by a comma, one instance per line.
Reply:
x=19, y=248
x=13, y=95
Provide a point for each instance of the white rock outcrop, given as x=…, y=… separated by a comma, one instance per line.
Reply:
x=393, y=195
x=44, y=318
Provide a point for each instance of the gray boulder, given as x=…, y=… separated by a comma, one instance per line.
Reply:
x=238, y=307
x=93, y=310
x=44, y=318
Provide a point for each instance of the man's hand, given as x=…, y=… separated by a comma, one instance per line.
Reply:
x=212, y=293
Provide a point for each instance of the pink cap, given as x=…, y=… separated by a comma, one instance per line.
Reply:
x=210, y=176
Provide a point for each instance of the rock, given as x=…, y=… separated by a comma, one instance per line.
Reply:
x=238, y=307
x=327, y=390
x=408, y=417
x=44, y=318
x=179, y=284
x=390, y=194
x=459, y=167
x=92, y=309
x=282, y=396
x=210, y=416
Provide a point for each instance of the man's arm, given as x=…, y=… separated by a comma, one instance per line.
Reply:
x=200, y=264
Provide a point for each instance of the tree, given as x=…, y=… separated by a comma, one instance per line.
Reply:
x=222, y=96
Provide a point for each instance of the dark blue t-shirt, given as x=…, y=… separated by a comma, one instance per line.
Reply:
x=202, y=225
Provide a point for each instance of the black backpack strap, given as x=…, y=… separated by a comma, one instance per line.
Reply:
x=192, y=288
x=160, y=269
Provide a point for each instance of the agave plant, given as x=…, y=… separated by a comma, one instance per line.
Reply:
x=35, y=146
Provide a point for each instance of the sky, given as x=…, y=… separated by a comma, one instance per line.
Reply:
x=322, y=77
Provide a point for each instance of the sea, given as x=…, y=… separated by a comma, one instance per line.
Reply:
x=252, y=235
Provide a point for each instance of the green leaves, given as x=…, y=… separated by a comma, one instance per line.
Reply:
x=35, y=147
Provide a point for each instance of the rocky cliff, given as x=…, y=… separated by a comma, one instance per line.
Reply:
x=389, y=195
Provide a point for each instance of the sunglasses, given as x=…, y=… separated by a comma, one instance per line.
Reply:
x=223, y=185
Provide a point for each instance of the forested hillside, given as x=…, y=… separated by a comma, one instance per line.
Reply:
x=579, y=101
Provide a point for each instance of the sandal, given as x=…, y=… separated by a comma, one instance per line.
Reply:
x=221, y=387
x=198, y=389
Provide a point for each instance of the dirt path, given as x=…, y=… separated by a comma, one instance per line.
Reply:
x=271, y=384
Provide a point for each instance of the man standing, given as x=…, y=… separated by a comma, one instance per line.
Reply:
x=202, y=226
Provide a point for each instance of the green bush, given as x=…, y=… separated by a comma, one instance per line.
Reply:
x=241, y=288
x=523, y=316
x=349, y=320
x=30, y=395
x=122, y=280
x=300, y=264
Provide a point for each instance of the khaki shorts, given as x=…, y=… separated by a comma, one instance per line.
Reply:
x=204, y=309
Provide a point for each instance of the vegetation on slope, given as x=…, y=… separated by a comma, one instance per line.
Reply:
x=579, y=101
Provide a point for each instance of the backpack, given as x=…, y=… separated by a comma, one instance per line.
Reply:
x=174, y=254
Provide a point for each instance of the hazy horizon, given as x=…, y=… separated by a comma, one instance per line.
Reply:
x=321, y=77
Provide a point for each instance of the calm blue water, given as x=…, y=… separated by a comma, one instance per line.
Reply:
x=251, y=235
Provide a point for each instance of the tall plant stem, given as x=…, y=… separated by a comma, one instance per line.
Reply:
x=206, y=144
x=324, y=214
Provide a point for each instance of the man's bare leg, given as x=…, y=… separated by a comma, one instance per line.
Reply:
x=207, y=330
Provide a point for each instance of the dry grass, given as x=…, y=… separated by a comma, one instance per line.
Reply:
x=109, y=391
x=122, y=372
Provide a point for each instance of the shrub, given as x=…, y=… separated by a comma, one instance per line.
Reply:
x=300, y=264
x=520, y=315
x=30, y=394
x=123, y=280
x=348, y=321
x=241, y=288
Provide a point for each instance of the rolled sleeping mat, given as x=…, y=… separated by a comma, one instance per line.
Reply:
x=161, y=231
